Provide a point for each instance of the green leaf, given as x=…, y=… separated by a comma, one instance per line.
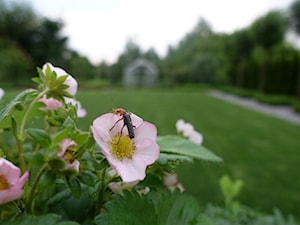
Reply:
x=68, y=223
x=176, y=208
x=80, y=138
x=60, y=80
x=132, y=209
x=155, y=208
x=8, y=110
x=75, y=187
x=61, y=135
x=69, y=122
x=40, y=136
x=164, y=158
x=57, y=164
x=14, y=126
x=37, y=80
x=230, y=189
x=86, y=178
x=58, y=197
x=47, y=219
x=36, y=158
x=177, y=145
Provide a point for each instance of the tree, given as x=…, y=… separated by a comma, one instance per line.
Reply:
x=294, y=12
x=47, y=44
x=267, y=31
x=239, y=48
x=38, y=37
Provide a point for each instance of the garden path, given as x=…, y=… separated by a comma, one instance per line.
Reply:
x=280, y=111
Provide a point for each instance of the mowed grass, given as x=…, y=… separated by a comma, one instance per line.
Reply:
x=261, y=150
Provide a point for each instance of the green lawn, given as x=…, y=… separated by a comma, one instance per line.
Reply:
x=261, y=150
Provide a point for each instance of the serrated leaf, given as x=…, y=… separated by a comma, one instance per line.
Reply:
x=155, y=208
x=177, y=145
x=176, y=208
x=132, y=209
x=40, y=136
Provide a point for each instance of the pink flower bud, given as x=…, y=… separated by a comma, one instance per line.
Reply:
x=50, y=103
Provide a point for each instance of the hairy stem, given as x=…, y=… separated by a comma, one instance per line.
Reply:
x=34, y=186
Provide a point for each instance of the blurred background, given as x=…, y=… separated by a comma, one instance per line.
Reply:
x=158, y=59
x=247, y=45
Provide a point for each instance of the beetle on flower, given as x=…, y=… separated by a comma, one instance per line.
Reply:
x=128, y=156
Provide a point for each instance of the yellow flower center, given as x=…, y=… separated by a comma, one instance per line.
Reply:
x=3, y=183
x=122, y=147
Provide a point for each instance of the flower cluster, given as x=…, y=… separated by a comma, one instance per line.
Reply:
x=187, y=130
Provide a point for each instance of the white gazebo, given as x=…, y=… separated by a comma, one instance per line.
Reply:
x=140, y=73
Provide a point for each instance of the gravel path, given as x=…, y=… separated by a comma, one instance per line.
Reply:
x=283, y=112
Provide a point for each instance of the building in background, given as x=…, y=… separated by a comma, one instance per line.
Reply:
x=140, y=73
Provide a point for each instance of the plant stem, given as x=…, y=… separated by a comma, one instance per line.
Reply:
x=34, y=186
x=100, y=199
x=20, y=135
x=27, y=111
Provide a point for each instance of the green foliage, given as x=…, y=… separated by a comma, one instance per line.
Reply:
x=235, y=214
x=154, y=209
x=231, y=189
x=175, y=145
x=246, y=216
x=15, y=66
x=14, y=106
x=269, y=29
x=82, y=68
x=47, y=219
x=250, y=143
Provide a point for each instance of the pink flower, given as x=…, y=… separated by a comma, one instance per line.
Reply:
x=1, y=93
x=50, y=103
x=68, y=154
x=128, y=156
x=187, y=130
x=81, y=112
x=10, y=181
x=70, y=81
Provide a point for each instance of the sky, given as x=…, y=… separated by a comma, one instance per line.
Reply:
x=100, y=29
